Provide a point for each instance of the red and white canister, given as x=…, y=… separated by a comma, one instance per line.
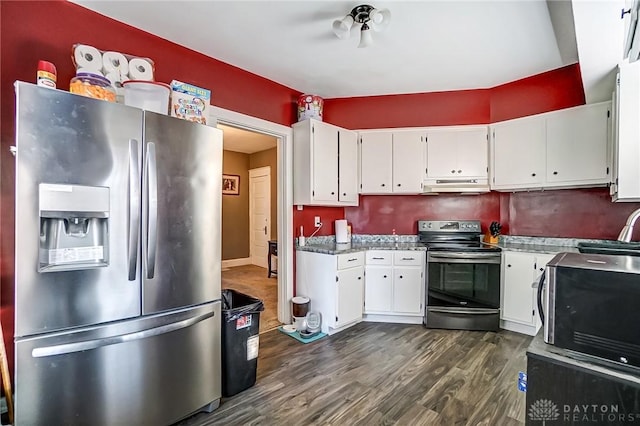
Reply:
x=310, y=106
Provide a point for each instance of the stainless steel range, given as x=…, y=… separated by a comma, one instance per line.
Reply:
x=463, y=276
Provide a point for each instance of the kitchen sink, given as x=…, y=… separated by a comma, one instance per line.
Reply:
x=611, y=247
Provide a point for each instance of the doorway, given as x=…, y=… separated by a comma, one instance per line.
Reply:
x=248, y=159
x=284, y=196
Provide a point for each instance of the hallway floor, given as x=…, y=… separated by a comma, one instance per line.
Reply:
x=252, y=280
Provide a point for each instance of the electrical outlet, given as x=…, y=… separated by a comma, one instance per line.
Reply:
x=316, y=222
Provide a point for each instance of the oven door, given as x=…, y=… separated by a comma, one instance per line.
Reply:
x=463, y=289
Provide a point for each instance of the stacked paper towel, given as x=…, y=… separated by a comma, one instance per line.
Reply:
x=115, y=66
x=342, y=234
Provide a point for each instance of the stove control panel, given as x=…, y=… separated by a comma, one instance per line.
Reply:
x=449, y=226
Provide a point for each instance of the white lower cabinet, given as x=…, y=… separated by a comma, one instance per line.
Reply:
x=519, y=308
x=394, y=285
x=334, y=285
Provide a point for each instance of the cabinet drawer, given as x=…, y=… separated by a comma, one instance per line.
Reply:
x=378, y=257
x=349, y=260
x=408, y=258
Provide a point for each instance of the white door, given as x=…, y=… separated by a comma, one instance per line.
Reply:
x=349, y=295
x=442, y=155
x=472, y=153
x=407, y=290
x=377, y=289
x=347, y=166
x=517, y=277
x=259, y=214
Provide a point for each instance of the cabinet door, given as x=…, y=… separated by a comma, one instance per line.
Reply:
x=627, y=148
x=442, y=154
x=472, y=153
x=577, y=145
x=376, y=153
x=348, y=166
x=408, y=161
x=377, y=289
x=349, y=295
x=407, y=290
x=519, y=153
x=325, y=163
x=518, y=274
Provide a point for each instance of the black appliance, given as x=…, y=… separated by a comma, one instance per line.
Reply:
x=463, y=276
x=591, y=307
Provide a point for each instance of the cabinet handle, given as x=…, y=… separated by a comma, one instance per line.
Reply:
x=408, y=258
x=382, y=184
x=400, y=276
x=344, y=194
x=384, y=276
x=533, y=174
x=459, y=171
x=399, y=184
x=332, y=193
x=352, y=260
x=359, y=278
x=555, y=173
x=541, y=269
x=378, y=258
x=509, y=266
x=453, y=171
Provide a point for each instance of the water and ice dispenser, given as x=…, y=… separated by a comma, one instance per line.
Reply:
x=74, y=227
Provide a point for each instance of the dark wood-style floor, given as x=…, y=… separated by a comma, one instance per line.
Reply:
x=382, y=374
x=252, y=280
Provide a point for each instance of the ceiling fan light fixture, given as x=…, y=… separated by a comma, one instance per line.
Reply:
x=341, y=27
x=366, y=39
x=380, y=18
x=369, y=19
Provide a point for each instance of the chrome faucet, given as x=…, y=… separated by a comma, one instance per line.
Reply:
x=627, y=230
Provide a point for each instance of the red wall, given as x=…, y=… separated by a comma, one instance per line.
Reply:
x=34, y=30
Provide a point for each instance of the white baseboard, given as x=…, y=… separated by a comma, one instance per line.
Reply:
x=230, y=263
x=518, y=328
x=398, y=319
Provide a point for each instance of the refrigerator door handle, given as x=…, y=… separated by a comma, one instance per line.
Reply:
x=86, y=345
x=134, y=208
x=152, y=209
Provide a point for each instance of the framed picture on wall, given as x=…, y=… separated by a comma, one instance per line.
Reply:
x=230, y=185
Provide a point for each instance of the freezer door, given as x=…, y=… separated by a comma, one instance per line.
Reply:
x=181, y=210
x=78, y=162
x=148, y=371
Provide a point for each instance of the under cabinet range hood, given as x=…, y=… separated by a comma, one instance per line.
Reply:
x=461, y=186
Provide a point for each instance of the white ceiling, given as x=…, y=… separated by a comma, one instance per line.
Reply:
x=429, y=45
x=245, y=141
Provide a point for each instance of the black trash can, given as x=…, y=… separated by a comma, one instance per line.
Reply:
x=240, y=340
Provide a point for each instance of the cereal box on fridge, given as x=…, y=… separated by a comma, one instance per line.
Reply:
x=189, y=102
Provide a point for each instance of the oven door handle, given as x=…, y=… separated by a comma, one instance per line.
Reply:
x=461, y=257
x=465, y=311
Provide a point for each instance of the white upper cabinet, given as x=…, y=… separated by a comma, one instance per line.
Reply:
x=559, y=149
x=457, y=153
x=348, y=166
x=325, y=164
x=391, y=162
x=408, y=148
x=577, y=148
x=376, y=153
x=626, y=134
x=519, y=153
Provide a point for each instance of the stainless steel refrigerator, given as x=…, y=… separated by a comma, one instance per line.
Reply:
x=117, y=281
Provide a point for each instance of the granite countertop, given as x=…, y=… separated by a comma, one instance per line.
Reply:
x=327, y=244
x=339, y=248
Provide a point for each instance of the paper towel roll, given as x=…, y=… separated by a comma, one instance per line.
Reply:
x=341, y=231
x=87, y=57
x=115, y=62
x=140, y=69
